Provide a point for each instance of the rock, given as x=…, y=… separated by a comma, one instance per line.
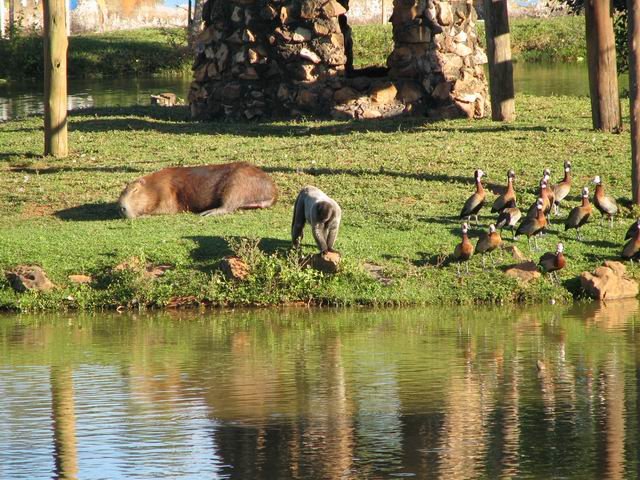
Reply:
x=525, y=271
x=29, y=277
x=462, y=50
x=333, y=9
x=515, y=253
x=345, y=94
x=370, y=114
x=80, y=279
x=410, y=92
x=445, y=14
x=377, y=273
x=384, y=94
x=301, y=35
x=147, y=270
x=309, y=55
x=325, y=263
x=166, y=99
x=609, y=282
x=234, y=268
x=307, y=99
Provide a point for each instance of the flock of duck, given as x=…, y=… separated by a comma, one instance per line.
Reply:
x=537, y=219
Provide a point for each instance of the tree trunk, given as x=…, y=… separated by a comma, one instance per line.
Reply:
x=55, y=78
x=196, y=21
x=603, y=75
x=12, y=18
x=633, y=19
x=500, y=65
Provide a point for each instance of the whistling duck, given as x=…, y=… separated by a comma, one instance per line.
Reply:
x=632, y=230
x=632, y=247
x=509, y=218
x=546, y=177
x=552, y=262
x=508, y=198
x=562, y=189
x=533, y=226
x=464, y=250
x=488, y=242
x=606, y=205
x=543, y=194
x=579, y=215
x=476, y=201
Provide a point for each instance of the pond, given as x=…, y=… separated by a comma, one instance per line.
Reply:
x=537, y=392
x=18, y=100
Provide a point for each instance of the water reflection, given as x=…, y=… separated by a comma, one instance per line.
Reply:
x=19, y=100
x=463, y=393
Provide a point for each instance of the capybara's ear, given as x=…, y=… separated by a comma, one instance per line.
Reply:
x=142, y=181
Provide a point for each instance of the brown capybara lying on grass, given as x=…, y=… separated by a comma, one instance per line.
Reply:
x=207, y=190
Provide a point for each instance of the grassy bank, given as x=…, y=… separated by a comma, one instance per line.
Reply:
x=401, y=185
x=164, y=51
x=143, y=52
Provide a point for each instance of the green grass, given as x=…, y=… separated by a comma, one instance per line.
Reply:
x=401, y=185
x=143, y=52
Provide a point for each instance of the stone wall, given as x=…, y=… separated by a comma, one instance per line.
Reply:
x=259, y=58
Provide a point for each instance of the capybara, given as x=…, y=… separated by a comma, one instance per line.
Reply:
x=323, y=213
x=206, y=189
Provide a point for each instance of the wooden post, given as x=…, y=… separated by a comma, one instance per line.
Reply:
x=496, y=24
x=601, y=57
x=633, y=38
x=55, y=78
x=189, y=14
x=3, y=20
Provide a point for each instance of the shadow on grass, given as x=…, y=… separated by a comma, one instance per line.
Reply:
x=147, y=118
x=89, y=212
x=52, y=170
x=210, y=249
x=4, y=156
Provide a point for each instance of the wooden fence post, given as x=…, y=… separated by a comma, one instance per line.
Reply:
x=603, y=75
x=633, y=38
x=55, y=78
x=3, y=20
x=496, y=24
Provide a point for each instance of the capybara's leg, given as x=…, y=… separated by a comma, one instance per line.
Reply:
x=223, y=210
x=297, y=224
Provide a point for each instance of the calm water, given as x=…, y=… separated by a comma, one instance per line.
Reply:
x=25, y=99
x=323, y=394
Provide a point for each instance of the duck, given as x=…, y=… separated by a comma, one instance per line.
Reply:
x=562, y=189
x=488, y=242
x=543, y=193
x=632, y=247
x=509, y=218
x=579, y=215
x=508, y=198
x=553, y=262
x=546, y=177
x=463, y=250
x=476, y=201
x=633, y=228
x=606, y=205
x=533, y=226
